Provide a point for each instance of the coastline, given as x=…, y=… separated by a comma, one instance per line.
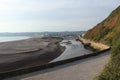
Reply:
x=21, y=56
x=86, y=67
x=26, y=70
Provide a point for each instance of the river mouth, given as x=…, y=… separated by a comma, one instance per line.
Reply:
x=73, y=49
x=51, y=56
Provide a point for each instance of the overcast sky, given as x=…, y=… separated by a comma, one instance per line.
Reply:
x=53, y=15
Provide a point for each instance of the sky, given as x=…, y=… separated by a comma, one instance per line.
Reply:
x=53, y=15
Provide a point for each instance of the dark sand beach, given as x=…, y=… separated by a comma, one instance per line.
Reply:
x=27, y=53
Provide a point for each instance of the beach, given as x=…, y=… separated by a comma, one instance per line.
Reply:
x=15, y=55
x=32, y=53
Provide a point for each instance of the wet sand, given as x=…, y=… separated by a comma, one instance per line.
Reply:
x=86, y=69
x=27, y=53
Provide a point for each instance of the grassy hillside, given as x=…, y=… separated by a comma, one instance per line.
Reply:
x=108, y=32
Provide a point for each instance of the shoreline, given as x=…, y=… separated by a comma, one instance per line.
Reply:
x=23, y=58
x=50, y=65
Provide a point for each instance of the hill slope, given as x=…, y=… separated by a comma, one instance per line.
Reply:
x=108, y=32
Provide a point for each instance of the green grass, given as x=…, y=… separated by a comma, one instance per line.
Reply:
x=112, y=69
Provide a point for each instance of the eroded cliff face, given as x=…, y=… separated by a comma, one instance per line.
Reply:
x=108, y=30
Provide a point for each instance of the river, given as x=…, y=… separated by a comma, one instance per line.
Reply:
x=73, y=49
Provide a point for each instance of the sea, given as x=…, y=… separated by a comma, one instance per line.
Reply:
x=12, y=38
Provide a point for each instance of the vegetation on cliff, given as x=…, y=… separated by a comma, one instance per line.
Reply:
x=108, y=32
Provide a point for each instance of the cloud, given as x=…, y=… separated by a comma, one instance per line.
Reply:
x=12, y=6
x=41, y=15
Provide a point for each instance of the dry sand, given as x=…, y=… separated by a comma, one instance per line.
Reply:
x=85, y=69
x=95, y=45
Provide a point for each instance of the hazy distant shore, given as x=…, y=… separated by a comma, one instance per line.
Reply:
x=28, y=53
